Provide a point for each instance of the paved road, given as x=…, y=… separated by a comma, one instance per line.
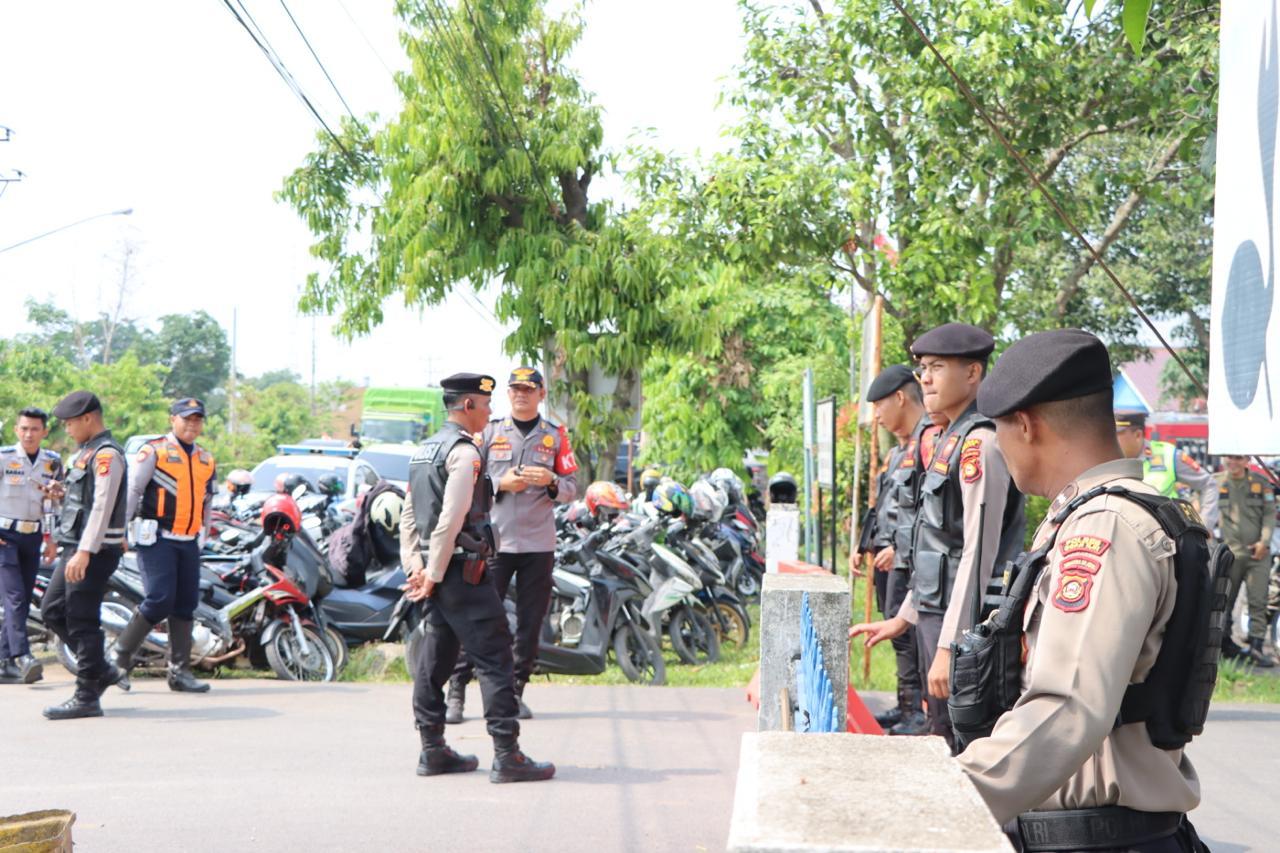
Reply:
x=268, y=765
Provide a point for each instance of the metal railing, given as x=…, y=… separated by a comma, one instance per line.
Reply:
x=816, y=697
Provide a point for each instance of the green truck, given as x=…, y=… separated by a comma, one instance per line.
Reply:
x=400, y=415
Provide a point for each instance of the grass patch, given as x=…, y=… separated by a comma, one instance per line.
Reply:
x=1239, y=682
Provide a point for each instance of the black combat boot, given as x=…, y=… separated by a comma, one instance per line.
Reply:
x=30, y=670
x=1230, y=651
x=127, y=645
x=893, y=716
x=454, y=701
x=1258, y=656
x=522, y=710
x=512, y=765
x=914, y=723
x=181, y=678
x=9, y=671
x=83, y=703
x=437, y=757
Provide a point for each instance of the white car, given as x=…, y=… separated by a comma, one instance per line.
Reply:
x=391, y=461
x=311, y=462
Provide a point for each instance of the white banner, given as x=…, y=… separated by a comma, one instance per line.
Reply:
x=1244, y=364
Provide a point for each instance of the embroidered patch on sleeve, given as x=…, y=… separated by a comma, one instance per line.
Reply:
x=971, y=460
x=942, y=462
x=1081, y=563
x=475, y=469
x=1186, y=459
x=1072, y=595
x=143, y=452
x=565, y=461
x=102, y=464
x=1095, y=545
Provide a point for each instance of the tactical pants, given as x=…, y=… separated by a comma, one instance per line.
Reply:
x=1255, y=575
x=928, y=631
x=891, y=588
x=19, y=563
x=459, y=613
x=171, y=578
x=532, y=572
x=73, y=610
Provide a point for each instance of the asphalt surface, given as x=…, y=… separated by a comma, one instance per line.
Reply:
x=270, y=765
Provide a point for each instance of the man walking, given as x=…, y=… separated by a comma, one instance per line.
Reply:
x=1247, y=508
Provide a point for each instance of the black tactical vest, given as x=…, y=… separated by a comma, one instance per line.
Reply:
x=938, y=535
x=905, y=482
x=78, y=503
x=427, y=479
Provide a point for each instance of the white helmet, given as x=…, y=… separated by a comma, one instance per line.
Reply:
x=709, y=500
x=386, y=510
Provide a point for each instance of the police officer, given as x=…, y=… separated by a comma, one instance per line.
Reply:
x=90, y=537
x=171, y=485
x=899, y=407
x=1248, y=513
x=531, y=462
x=1070, y=761
x=967, y=502
x=1164, y=466
x=445, y=538
x=30, y=477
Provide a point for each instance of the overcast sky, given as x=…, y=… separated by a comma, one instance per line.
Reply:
x=169, y=108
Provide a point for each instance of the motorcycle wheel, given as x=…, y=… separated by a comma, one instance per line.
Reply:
x=291, y=664
x=337, y=649
x=733, y=627
x=639, y=655
x=692, y=637
x=747, y=586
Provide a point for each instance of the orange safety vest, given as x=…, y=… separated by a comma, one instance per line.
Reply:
x=176, y=494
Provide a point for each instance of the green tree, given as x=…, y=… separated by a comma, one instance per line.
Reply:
x=194, y=349
x=486, y=174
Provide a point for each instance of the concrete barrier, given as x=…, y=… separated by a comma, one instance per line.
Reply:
x=841, y=792
x=781, y=603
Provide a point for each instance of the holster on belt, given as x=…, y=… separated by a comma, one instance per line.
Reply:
x=473, y=571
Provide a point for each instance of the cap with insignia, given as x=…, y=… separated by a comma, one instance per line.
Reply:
x=1125, y=420
x=75, y=404
x=469, y=383
x=1064, y=364
x=186, y=407
x=525, y=377
x=890, y=380
x=955, y=339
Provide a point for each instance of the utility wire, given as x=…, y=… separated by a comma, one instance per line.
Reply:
x=323, y=70
x=1062, y=214
x=368, y=43
x=260, y=40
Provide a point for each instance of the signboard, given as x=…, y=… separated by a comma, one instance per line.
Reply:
x=1244, y=363
x=826, y=445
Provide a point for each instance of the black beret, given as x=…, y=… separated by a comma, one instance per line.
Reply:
x=75, y=404
x=957, y=339
x=187, y=406
x=525, y=376
x=1060, y=365
x=1131, y=419
x=890, y=380
x=469, y=383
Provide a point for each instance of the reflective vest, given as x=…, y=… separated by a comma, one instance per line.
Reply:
x=177, y=491
x=1158, y=467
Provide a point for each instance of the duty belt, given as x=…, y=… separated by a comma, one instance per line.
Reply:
x=19, y=526
x=1104, y=828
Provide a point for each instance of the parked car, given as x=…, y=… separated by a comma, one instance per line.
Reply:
x=391, y=461
x=312, y=461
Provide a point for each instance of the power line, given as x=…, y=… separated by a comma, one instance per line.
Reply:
x=260, y=40
x=323, y=70
x=368, y=43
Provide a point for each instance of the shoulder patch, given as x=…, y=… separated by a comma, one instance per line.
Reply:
x=1184, y=458
x=102, y=463
x=971, y=460
x=1073, y=592
x=1080, y=563
x=1095, y=545
x=942, y=458
x=145, y=451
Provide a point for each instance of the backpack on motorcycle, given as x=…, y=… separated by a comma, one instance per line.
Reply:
x=351, y=548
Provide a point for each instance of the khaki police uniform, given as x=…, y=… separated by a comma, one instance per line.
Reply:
x=23, y=511
x=1093, y=627
x=1247, y=508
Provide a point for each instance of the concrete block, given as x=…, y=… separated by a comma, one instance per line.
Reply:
x=846, y=793
x=779, y=634
x=781, y=535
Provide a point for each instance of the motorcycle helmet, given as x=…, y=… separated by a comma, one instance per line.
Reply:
x=729, y=482
x=287, y=483
x=579, y=514
x=649, y=480
x=239, y=482
x=605, y=499
x=782, y=488
x=331, y=485
x=709, y=501
x=672, y=498
x=386, y=511
x=280, y=515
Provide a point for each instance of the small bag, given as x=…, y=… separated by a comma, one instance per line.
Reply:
x=473, y=571
x=142, y=531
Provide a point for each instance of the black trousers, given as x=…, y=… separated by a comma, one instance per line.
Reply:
x=928, y=632
x=460, y=613
x=19, y=563
x=532, y=572
x=73, y=610
x=905, y=649
x=171, y=577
